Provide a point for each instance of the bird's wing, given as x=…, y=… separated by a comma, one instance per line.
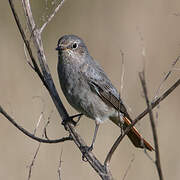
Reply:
x=102, y=86
x=106, y=94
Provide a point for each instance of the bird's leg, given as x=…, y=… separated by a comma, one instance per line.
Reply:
x=86, y=149
x=90, y=148
x=94, y=136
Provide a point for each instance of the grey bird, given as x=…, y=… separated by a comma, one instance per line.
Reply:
x=88, y=89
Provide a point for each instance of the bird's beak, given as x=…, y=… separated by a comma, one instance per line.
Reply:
x=60, y=48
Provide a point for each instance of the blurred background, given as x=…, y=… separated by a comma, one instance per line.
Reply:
x=145, y=31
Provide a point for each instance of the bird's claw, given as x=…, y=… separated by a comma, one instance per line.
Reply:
x=65, y=121
x=70, y=119
x=84, y=150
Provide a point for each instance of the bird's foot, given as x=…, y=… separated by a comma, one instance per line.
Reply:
x=70, y=119
x=85, y=150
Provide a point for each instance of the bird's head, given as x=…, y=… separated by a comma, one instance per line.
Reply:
x=72, y=47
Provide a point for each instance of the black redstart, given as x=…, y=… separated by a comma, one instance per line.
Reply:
x=88, y=89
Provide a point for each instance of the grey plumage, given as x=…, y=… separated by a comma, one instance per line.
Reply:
x=88, y=89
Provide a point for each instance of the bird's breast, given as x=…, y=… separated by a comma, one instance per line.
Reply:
x=79, y=94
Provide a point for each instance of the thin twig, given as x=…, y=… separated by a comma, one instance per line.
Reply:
x=51, y=16
x=138, y=118
x=33, y=161
x=129, y=167
x=59, y=166
x=157, y=162
x=36, y=153
x=166, y=77
x=39, y=120
x=41, y=114
x=36, y=36
x=122, y=73
x=27, y=133
x=36, y=68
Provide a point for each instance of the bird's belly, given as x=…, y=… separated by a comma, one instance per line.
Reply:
x=89, y=103
x=80, y=96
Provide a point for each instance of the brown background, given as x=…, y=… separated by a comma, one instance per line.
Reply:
x=107, y=27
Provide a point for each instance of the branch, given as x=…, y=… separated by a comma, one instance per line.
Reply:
x=46, y=78
x=166, y=76
x=59, y=166
x=138, y=118
x=157, y=161
x=27, y=133
x=26, y=42
x=36, y=153
x=33, y=161
x=51, y=16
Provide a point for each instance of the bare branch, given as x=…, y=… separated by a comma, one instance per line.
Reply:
x=59, y=167
x=138, y=118
x=48, y=82
x=165, y=77
x=122, y=73
x=129, y=167
x=41, y=114
x=27, y=133
x=32, y=163
x=39, y=120
x=157, y=162
x=36, y=36
x=36, y=68
x=36, y=152
x=51, y=16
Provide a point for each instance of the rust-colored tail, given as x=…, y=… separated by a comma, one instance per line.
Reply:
x=136, y=138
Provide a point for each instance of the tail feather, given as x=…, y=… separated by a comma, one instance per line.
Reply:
x=134, y=135
x=136, y=138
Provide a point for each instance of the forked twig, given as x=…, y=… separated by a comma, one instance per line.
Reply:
x=51, y=16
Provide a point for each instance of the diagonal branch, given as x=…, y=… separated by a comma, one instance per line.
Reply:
x=138, y=118
x=166, y=76
x=36, y=68
x=49, y=84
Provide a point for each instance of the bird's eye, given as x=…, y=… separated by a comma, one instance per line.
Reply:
x=74, y=46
